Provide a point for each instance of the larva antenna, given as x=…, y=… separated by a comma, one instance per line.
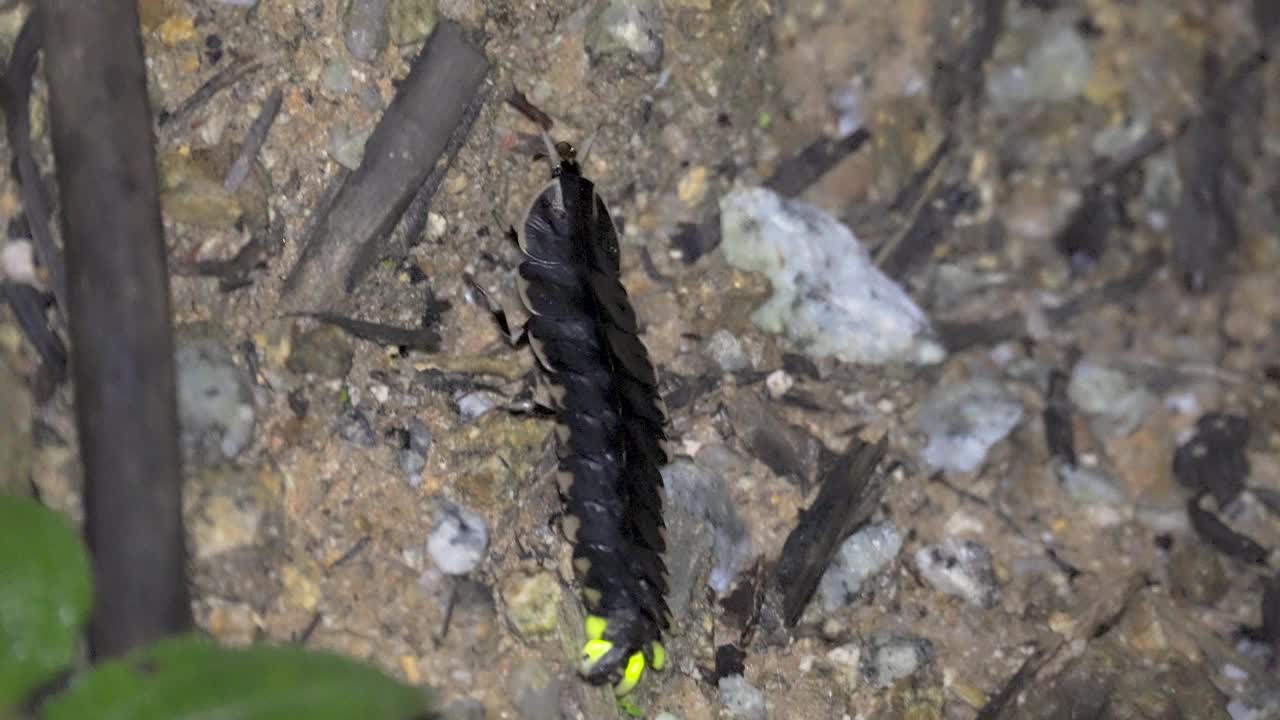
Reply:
x=586, y=147
x=553, y=155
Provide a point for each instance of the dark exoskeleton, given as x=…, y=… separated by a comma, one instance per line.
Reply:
x=610, y=420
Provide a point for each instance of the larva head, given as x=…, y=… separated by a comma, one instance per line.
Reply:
x=563, y=156
x=609, y=657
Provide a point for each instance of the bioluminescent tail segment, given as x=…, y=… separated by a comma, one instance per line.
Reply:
x=610, y=421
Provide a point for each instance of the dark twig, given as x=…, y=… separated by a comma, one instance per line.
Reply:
x=426, y=339
x=225, y=78
x=126, y=409
x=16, y=97
x=28, y=307
x=409, y=140
x=522, y=104
x=253, y=142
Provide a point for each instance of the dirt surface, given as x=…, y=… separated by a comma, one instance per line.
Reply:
x=316, y=530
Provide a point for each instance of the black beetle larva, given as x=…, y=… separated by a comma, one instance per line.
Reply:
x=610, y=420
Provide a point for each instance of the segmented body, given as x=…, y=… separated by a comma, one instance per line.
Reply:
x=610, y=422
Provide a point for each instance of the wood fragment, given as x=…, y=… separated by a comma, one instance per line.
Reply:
x=1221, y=537
x=28, y=307
x=404, y=148
x=253, y=142
x=15, y=97
x=1059, y=428
x=526, y=108
x=425, y=339
x=849, y=494
x=122, y=342
x=225, y=78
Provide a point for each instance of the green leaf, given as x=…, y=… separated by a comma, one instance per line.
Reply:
x=188, y=677
x=45, y=594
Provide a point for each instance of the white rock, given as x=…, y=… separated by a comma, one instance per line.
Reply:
x=458, y=541
x=829, y=298
x=963, y=421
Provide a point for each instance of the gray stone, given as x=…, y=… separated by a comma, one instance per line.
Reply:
x=702, y=493
x=1090, y=486
x=536, y=691
x=963, y=568
x=740, y=700
x=474, y=404
x=1111, y=396
x=353, y=426
x=626, y=28
x=1056, y=67
x=458, y=540
x=724, y=349
x=964, y=420
x=829, y=298
x=365, y=29
x=346, y=145
x=861, y=557
x=215, y=402
x=411, y=21
x=335, y=77
x=887, y=659
x=690, y=548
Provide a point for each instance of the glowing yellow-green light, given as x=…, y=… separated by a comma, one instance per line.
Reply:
x=659, y=657
x=631, y=676
x=593, y=651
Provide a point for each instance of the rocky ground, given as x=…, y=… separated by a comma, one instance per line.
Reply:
x=937, y=283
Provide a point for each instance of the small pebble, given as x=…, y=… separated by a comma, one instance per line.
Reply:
x=354, y=427
x=411, y=462
x=847, y=660
x=964, y=420
x=724, y=349
x=365, y=29
x=692, y=188
x=885, y=660
x=861, y=557
x=963, y=568
x=346, y=145
x=335, y=77
x=702, y=493
x=215, y=402
x=533, y=603
x=1090, y=486
x=626, y=28
x=778, y=383
x=1112, y=396
x=474, y=404
x=324, y=351
x=411, y=21
x=459, y=539
x=740, y=700
x=17, y=262
x=436, y=226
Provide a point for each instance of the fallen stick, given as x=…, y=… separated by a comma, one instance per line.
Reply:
x=427, y=114
x=118, y=308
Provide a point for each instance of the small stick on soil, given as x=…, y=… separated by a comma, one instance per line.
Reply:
x=15, y=95
x=415, y=132
x=126, y=406
x=228, y=76
x=523, y=105
x=253, y=142
x=850, y=493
